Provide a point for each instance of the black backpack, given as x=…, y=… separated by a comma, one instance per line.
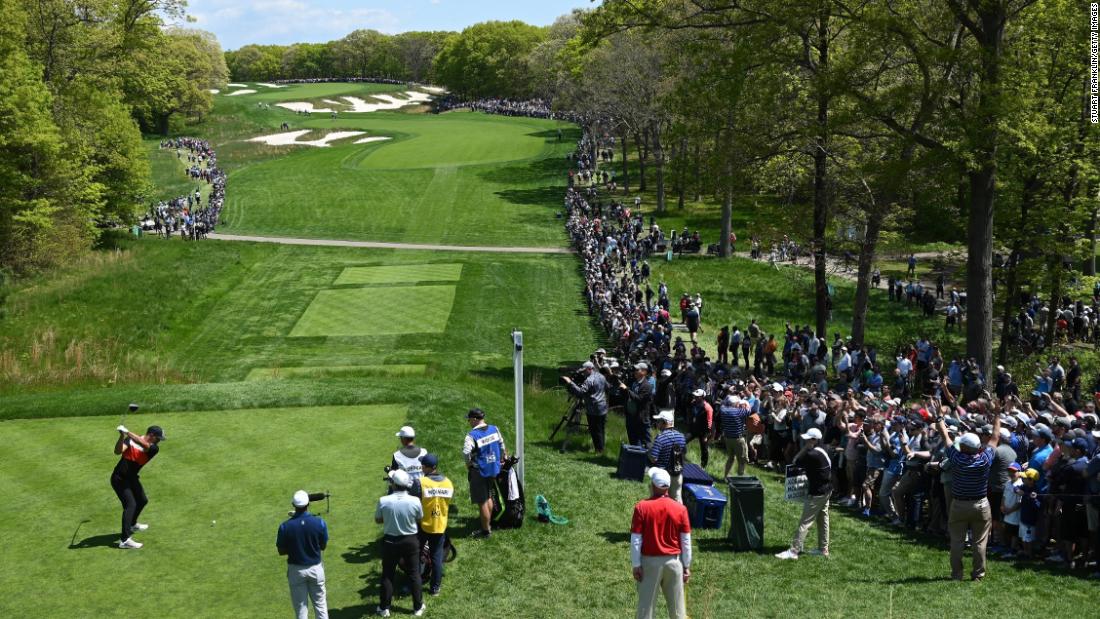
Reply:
x=676, y=460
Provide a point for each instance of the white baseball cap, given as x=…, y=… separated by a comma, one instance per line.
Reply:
x=970, y=440
x=776, y=387
x=812, y=433
x=400, y=478
x=668, y=415
x=698, y=393
x=406, y=432
x=300, y=499
x=660, y=477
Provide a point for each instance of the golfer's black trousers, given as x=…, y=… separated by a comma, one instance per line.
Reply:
x=405, y=550
x=133, y=499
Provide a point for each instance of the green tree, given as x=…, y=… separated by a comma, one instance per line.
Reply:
x=489, y=59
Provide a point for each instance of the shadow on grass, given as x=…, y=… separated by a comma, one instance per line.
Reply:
x=107, y=540
x=370, y=552
x=537, y=196
x=616, y=537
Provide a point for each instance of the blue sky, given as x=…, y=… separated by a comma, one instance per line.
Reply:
x=240, y=22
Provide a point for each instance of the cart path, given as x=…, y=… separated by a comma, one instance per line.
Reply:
x=382, y=245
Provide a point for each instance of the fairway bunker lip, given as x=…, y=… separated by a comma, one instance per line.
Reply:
x=390, y=102
x=246, y=91
x=303, y=106
x=270, y=85
x=290, y=138
x=214, y=91
x=373, y=138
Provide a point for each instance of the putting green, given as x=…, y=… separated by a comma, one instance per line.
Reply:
x=236, y=467
x=335, y=371
x=400, y=274
x=394, y=310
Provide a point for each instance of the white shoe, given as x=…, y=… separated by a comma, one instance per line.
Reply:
x=129, y=543
x=787, y=554
x=382, y=612
x=420, y=611
x=140, y=526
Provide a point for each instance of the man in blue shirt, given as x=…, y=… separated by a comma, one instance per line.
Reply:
x=970, y=465
x=667, y=451
x=731, y=421
x=301, y=539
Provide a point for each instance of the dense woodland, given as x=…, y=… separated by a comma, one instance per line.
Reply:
x=964, y=121
x=79, y=82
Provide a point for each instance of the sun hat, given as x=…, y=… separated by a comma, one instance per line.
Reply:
x=300, y=499
x=406, y=432
x=641, y=365
x=812, y=433
x=659, y=477
x=668, y=415
x=400, y=478
x=970, y=440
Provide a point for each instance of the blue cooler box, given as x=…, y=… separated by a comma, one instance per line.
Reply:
x=706, y=506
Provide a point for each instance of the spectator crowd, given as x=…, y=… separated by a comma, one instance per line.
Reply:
x=187, y=215
x=879, y=417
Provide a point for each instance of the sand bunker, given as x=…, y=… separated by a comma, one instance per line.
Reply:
x=214, y=91
x=331, y=102
x=303, y=106
x=291, y=138
x=389, y=103
x=376, y=138
x=237, y=85
x=435, y=89
x=246, y=91
x=270, y=85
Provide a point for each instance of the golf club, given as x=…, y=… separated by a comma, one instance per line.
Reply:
x=133, y=409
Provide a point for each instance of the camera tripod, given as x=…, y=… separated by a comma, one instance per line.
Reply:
x=572, y=423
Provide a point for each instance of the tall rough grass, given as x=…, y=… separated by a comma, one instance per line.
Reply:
x=46, y=361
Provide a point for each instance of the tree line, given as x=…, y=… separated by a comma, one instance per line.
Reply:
x=958, y=120
x=79, y=82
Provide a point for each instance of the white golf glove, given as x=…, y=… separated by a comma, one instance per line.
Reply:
x=123, y=429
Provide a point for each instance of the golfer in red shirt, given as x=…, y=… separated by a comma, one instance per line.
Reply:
x=660, y=549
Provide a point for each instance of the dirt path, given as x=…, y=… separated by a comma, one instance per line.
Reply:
x=380, y=245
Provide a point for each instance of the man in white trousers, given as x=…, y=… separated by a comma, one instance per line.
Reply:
x=660, y=548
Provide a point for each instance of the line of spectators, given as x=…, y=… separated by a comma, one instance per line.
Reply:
x=759, y=393
x=332, y=80
x=187, y=215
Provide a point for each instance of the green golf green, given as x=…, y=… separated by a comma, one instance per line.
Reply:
x=394, y=310
x=457, y=178
x=218, y=490
x=402, y=274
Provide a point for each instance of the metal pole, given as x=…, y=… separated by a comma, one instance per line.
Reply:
x=517, y=362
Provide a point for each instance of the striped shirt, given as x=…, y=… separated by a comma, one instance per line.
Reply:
x=660, y=453
x=970, y=473
x=733, y=419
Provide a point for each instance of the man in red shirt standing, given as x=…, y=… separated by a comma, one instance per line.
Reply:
x=660, y=549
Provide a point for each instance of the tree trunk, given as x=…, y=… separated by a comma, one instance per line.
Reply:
x=659, y=163
x=642, y=142
x=821, y=198
x=1089, y=266
x=724, y=249
x=863, y=279
x=1055, y=296
x=698, y=183
x=626, y=169
x=983, y=188
x=1012, y=280
x=681, y=173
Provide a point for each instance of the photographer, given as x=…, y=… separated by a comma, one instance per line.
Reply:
x=593, y=391
x=400, y=513
x=639, y=405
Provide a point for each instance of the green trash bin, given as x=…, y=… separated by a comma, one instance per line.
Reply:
x=746, y=508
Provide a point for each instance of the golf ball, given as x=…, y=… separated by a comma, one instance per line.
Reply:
x=213, y=522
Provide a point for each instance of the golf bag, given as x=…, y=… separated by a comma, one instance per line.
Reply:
x=509, y=504
x=449, y=554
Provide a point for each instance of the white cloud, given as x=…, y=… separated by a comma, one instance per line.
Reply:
x=240, y=22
